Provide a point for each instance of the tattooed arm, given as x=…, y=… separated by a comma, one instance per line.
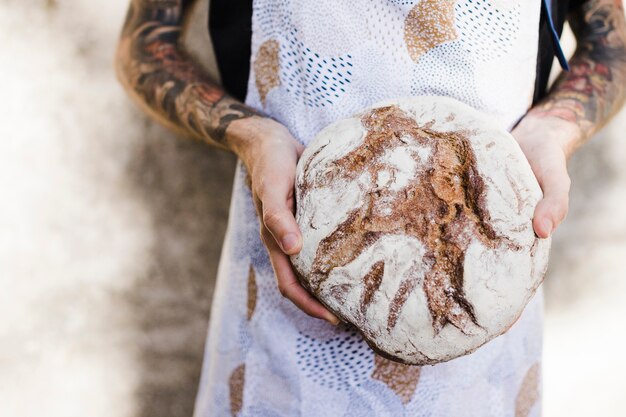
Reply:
x=155, y=69
x=580, y=103
x=595, y=87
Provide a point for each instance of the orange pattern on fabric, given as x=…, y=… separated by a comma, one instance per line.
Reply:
x=266, y=68
x=528, y=393
x=401, y=379
x=252, y=293
x=235, y=385
x=429, y=24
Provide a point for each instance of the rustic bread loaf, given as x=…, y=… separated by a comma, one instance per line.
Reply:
x=416, y=218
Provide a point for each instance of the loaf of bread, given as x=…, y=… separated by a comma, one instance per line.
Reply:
x=416, y=218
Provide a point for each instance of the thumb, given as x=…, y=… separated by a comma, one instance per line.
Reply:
x=277, y=200
x=552, y=209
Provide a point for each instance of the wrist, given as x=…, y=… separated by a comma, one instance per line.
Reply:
x=539, y=128
x=246, y=137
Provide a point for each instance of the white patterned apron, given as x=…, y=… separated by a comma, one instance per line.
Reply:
x=314, y=62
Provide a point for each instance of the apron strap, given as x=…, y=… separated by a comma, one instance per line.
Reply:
x=556, y=43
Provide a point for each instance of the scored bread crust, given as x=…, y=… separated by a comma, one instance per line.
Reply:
x=416, y=216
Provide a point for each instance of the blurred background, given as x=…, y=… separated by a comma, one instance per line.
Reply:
x=111, y=227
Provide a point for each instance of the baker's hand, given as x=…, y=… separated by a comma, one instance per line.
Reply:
x=543, y=140
x=270, y=154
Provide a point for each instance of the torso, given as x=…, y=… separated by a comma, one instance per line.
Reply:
x=313, y=62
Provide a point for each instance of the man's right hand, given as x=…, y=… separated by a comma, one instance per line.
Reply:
x=270, y=154
x=155, y=69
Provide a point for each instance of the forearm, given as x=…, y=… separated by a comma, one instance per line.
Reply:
x=584, y=99
x=170, y=86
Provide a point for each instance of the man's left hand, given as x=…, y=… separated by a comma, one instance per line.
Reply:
x=544, y=141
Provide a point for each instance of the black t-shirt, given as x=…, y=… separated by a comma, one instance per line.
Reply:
x=230, y=27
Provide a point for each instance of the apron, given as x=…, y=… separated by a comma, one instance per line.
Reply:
x=312, y=63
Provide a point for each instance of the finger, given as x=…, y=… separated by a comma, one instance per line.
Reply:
x=552, y=209
x=277, y=202
x=289, y=286
x=299, y=149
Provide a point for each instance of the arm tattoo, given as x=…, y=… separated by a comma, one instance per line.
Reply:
x=594, y=88
x=155, y=68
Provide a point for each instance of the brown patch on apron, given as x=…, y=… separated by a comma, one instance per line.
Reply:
x=528, y=393
x=235, y=385
x=401, y=379
x=252, y=293
x=266, y=68
x=430, y=23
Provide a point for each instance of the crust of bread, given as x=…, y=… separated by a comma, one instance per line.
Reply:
x=416, y=216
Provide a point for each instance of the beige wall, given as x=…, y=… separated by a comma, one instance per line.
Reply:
x=110, y=230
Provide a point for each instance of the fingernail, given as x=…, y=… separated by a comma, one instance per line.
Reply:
x=332, y=319
x=547, y=226
x=289, y=242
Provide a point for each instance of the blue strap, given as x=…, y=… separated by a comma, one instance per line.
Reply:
x=555, y=36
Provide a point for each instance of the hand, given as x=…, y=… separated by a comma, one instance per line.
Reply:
x=544, y=141
x=270, y=156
